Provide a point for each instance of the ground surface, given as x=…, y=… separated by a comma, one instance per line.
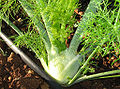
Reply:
x=15, y=74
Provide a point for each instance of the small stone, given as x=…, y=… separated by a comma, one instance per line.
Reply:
x=104, y=88
x=19, y=20
x=25, y=66
x=9, y=78
x=30, y=72
x=10, y=58
x=81, y=13
x=112, y=57
x=107, y=58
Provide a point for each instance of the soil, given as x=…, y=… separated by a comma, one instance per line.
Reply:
x=15, y=74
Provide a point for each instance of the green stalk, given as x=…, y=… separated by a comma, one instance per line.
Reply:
x=32, y=15
x=99, y=75
x=117, y=18
x=46, y=21
x=20, y=33
x=37, y=22
x=115, y=25
x=41, y=3
x=48, y=27
x=77, y=38
x=12, y=25
x=48, y=36
x=112, y=76
x=83, y=67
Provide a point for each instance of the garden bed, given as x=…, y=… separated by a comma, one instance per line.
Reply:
x=15, y=74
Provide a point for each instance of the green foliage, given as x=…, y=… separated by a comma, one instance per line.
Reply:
x=9, y=7
x=60, y=18
x=49, y=19
x=59, y=13
x=32, y=40
x=103, y=29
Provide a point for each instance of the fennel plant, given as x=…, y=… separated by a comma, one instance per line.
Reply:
x=100, y=26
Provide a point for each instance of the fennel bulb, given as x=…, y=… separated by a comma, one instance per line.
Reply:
x=62, y=66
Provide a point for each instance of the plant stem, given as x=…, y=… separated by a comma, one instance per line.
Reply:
x=48, y=27
x=37, y=22
x=20, y=34
x=12, y=25
x=117, y=18
x=31, y=14
x=115, y=24
x=77, y=38
x=112, y=76
x=84, y=66
x=46, y=22
x=99, y=75
x=41, y=3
